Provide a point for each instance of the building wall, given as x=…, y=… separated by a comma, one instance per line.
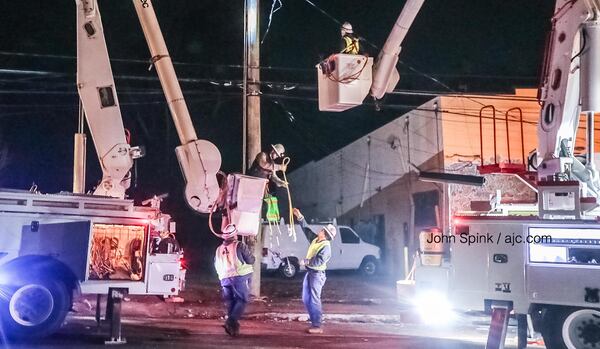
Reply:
x=396, y=205
x=461, y=126
x=376, y=177
x=462, y=146
x=339, y=182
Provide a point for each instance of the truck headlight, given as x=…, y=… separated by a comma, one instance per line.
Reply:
x=434, y=308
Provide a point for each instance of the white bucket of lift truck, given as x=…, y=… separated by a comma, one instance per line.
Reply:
x=431, y=246
x=245, y=199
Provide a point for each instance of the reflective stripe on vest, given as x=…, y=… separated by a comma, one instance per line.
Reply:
x=352, y=45
x=313, y=250
x=228, y=264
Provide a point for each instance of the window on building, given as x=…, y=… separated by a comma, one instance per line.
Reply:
x=425, y=203
x=348, y=236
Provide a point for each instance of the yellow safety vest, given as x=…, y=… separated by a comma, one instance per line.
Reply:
x=313, y=249
x=228, y=264
x=352, y=45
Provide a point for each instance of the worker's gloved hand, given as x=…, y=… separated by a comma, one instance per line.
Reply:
x=299, y=216
x=283, y=167
x=303, y=262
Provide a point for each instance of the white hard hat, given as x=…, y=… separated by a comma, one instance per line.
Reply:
x=278, y=148
x=229, y=232
x=347, y=27
x=330, y=230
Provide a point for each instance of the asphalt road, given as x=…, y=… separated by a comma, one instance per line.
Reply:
x=194, y=333
x=359, y=313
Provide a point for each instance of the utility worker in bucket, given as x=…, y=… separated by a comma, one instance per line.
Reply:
x=350, y=43
x=264, y=165
x=233, y=262
x=317, y=256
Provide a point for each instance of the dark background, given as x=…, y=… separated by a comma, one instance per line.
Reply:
x=467, y=45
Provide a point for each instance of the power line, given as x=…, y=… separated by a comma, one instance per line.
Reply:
x=145, y=62
x=278, y=85
x=275, y=68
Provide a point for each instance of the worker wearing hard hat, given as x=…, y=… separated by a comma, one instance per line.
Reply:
x=264, y=165
x=350, y=43
x=233, y=261
x=317, y=256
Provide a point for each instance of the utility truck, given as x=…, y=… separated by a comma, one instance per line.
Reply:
x=56, y=246
x=543, y=267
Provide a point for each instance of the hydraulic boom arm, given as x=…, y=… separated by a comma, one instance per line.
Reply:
x=200, y=160
x=97, y=92
x=570, y=87
x=386, y=76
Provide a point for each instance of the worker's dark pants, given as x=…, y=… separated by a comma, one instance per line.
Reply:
x=311, y=295
x=236, y=294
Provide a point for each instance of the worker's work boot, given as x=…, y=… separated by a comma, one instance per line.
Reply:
x=229, y=327
x=236, y=329
x=314, y=330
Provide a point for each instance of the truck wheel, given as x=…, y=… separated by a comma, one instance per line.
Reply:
x=571, y=328
x=369, y=266
x=34, y=309
x=288, y=268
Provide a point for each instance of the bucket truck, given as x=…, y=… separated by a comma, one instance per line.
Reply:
x=58, y=245
x=544, y=267
x=345, y=80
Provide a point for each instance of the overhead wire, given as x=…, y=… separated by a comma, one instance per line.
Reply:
x=273, y=10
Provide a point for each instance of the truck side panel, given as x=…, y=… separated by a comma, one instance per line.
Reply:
x=63, y=239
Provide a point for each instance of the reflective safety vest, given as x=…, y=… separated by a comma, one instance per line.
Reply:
x=272, y=208
x=228, y=264
x=351, y=45
x=313, y=250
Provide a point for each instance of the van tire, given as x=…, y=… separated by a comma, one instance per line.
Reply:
x=289, y=268
x=369, y=266
x=19, y=323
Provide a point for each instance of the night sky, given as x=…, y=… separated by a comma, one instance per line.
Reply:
x=469, y=45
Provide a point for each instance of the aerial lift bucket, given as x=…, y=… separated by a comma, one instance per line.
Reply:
x=244, y=200
x=344, y=81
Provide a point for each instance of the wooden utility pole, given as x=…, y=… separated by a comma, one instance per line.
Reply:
x=252, y=144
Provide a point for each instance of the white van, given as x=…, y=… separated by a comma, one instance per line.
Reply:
x=348, y=250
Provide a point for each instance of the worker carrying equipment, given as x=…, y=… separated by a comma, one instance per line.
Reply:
x=233, y=262
x=264, y=165
x=350, y=43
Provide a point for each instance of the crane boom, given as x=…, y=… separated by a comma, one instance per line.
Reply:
x=386, y=76
x=200, y=160
x=569, y=88
x=97, y=92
